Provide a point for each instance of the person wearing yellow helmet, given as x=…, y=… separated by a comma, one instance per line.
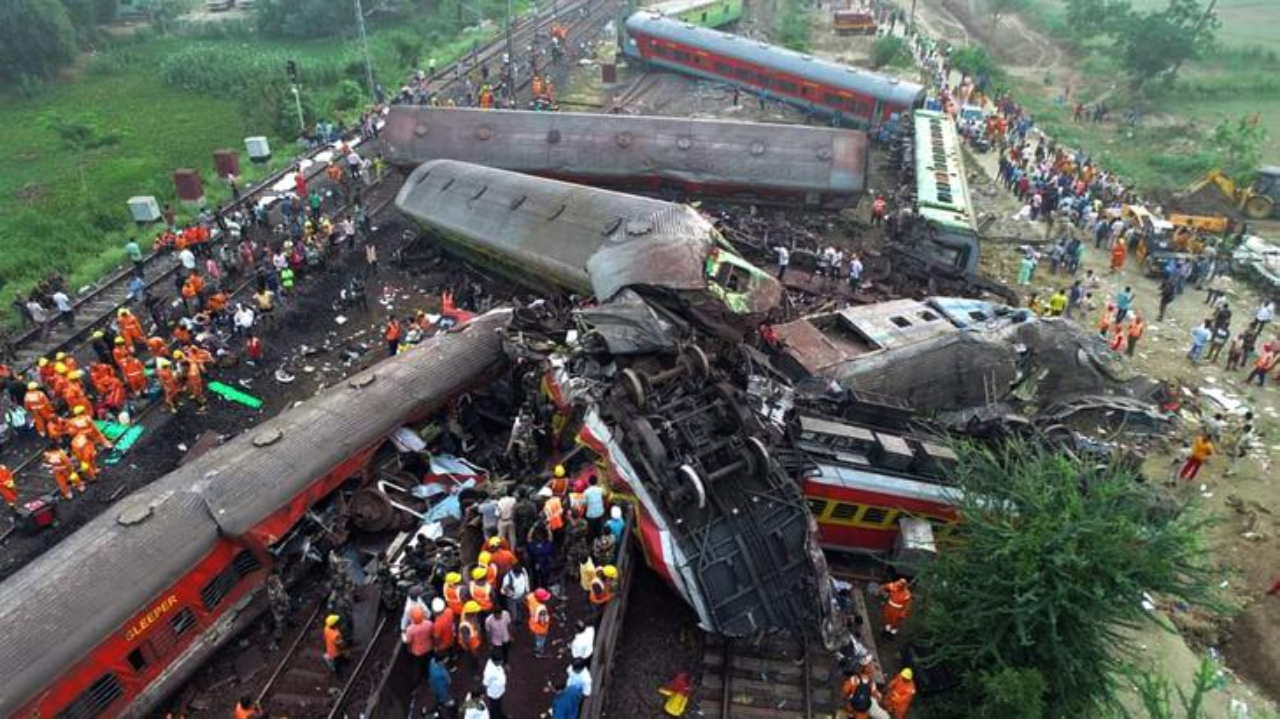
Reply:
x=601, y=590
x=610, y=572
x=469, y=628
x=38, y=407
x=481, y=590
x=484, y=558
x=335, y=645
x=454, y=592
x=559, y=471
x=900, y=693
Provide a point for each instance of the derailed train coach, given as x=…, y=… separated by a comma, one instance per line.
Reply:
x=820, y=168
x=563, y=237
x=117, y=616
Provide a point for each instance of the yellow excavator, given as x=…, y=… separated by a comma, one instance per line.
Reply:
x=1258, y=201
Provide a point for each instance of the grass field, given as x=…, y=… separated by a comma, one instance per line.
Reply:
x=65, y=211
x=1244, y=22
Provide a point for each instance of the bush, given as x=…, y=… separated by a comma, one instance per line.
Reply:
x=796, y=23
x=975, y=62
x=303, y=18
x=890, y=50
x=1011, y=693
x=38, y=38
x=350, y=95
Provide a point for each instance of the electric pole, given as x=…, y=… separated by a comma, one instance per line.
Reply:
x=364, y=46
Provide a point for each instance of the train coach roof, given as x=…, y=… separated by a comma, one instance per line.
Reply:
x=62, y=604
x=710, y=152
x=893, y=90
x=65, y=602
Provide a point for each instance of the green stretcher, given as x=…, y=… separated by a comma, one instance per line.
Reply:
x=234, y=395
x=122, y=436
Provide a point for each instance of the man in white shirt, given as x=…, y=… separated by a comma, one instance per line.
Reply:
x=188, y=259
x=66, y=313
x=584, y=642
x=784, y=259
x=580, y=675
x=495, y=684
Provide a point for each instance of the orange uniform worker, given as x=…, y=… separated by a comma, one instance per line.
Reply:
x=135, y=374
x=455, y=594
x=98, y=377
x=469, y=629
x=480, y=590
x=121, y=351
x=602, y=588
x=157, y=347
x=8, y=486
x=860, y=694
x=172, y=388
x=68, y=360
x=45, y=368
x=553, y=513
x=539, y=618
x=897, y=605
x=899, y=694
x=194, y=380
x=1136, y=326
x=246, y=709
x=130, y=328
x=39, y=408
x=58, y=385
x=73, y=395
x=335, y=646
x=442, y=626
x=87, y=453
x=64, y=471
x=82, y=424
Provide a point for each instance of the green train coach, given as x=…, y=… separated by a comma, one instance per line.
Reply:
x=942, y=195
x=707, y=13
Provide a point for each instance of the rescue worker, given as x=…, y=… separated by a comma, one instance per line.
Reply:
x=419, y=637
x=121, y=351
x=553, y=513
x=860, y=694
x=191, y=374
x=157, y=347
x=899, y=694
x=168, y=383
x=73, y=394
x=64, y=472
x=38, y=407
x=98, y=374
x=559, y=481
x=897, y=605
x=335, y=646
x=8, y=487
x=392, y=335
x=46, y=371
x=454, y=593
x=468, y=629
x=246, y=708
x=135, y=375
x=1136, y=327
x=81, y=424
x=130, y=328
x=602, y=589
x=67, y=360
x=442, y=627
x=485, y=560
x=87, y=453
x=58, y=385
x=539, y=619
x=480, y=591
x=879, y=209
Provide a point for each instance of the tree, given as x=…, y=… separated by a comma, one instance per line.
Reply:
x=1052, y=561
x=890, y=50
x=302, y=18
x=976, y=62
x=1093, y=18
x=88, y=15
x=1153, y=45
x=1239, y=142
x=36, y=39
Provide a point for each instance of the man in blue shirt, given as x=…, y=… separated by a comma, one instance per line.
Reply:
x=1124, y=300
x=438, y=677
x=567, y=701
x=593, y=499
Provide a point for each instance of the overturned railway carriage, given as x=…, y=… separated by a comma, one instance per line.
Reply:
x=559, y=236
x=950, y=229
x=707, y=13
x=722, y=159
x=845, y=94
x=114, y=618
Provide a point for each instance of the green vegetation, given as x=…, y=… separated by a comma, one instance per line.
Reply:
x=795, y=25
x=143, y=106
x=890, y=50
x=1156, y=693
x=1051, y=567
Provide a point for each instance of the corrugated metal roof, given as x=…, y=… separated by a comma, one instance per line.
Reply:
x=892, y=90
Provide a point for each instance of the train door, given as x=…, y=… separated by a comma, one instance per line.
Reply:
x=702, y=61
x=877, y=114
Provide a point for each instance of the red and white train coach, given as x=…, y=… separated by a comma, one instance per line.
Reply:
x=845, y=94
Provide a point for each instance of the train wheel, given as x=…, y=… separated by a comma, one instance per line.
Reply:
x=690, y=478
x=634, y=384
x=650, y=444
x=696, y=362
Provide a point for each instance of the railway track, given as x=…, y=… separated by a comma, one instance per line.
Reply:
x=778, y=678
x=636, y=90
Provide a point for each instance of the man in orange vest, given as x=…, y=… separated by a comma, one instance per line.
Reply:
x=38, y=407
x=64, y=472
x=897, y=605
x=168, y=383
x=553, y=513
x=246, y=708
x=135, y=375
x=335, y=647
x=98, y=374
x=539, y=619
x=8, y=488
x=898, y=696
x=480, y=591
x=194, y=380
x=469, y=629
x=121, y=351
x=602, y=589
x=46, y=370
x=860, y=694
x=130, y=328
x=73, y=392
x=442, y=627
x=87, y=453
x=1136, y=326
x=454, y=593
x=392, y=336
x=157, y=347
x=82, y=424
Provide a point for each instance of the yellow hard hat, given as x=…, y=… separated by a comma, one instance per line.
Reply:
x=78, y=410
x=177, y=355
x=471, y=607
x=122, y=312
x=119, y=340
x=331, y=620
x=42, y=362
x=453, y=578
x=559, y=471
x=60, y=368
x=495, y=542
x=484, y=558
x=60, y=356
x=98, y=334
x=84, y=466
x=907, y=674
x=33, y=386
x=76, y=374
x=162, y=363
x=479, y=573
x=610, y=572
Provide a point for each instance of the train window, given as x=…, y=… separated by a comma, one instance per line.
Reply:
x=216, y=589
x=900, y=321
x=245, y=563
x=136, y=660
x=844, y=512
x=877, y=516
x=723, y=69
x=95, y=701
x=183, y=621
x=817, y=506
x=786, y=86
x=928, y=316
